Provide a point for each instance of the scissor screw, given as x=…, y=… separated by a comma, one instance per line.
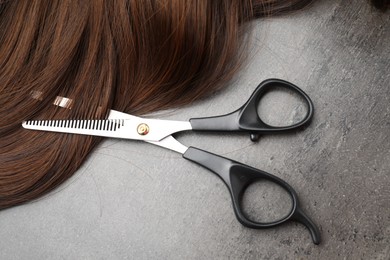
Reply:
x=143, y=129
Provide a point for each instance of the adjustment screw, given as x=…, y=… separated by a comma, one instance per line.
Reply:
x=143, y=129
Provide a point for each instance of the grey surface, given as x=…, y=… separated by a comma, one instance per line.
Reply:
x=135, y=201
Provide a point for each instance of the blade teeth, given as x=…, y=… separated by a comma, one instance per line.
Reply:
x=93, y=124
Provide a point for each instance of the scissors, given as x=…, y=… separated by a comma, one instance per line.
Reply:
x=237, y=176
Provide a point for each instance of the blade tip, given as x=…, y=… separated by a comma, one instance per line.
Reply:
x=26, y=125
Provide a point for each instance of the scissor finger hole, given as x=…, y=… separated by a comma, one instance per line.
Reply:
x=282, y=107
x=265, y=201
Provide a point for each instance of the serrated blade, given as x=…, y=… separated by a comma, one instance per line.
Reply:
x=86, y=127
x=128, y=128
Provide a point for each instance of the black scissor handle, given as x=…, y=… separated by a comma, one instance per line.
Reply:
x=247, y=119
x=238, y=177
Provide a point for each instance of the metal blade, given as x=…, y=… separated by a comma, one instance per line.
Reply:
x=85, y=127
x=132, y=127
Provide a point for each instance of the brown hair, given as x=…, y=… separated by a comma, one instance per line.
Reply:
x=132, y=56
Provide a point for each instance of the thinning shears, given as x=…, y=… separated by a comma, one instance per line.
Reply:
x=236, y=176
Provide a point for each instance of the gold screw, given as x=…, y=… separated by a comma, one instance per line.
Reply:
x=143, y=129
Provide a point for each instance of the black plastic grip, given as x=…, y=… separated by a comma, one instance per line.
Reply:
x=247, y=119
x=238, y=177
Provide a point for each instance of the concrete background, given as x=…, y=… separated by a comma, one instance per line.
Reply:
x=132, y=200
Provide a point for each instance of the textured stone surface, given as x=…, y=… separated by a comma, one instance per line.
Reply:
x=132, y=200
